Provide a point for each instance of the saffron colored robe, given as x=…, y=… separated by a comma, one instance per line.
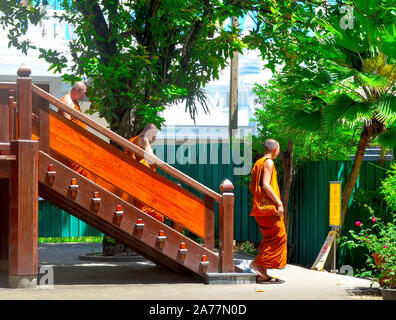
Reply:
x=273, y=247
x=145, y=208
x=76, y=167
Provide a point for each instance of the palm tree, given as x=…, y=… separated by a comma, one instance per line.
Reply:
x=359, y=68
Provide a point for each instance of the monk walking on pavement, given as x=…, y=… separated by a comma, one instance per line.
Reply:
x=268, y=212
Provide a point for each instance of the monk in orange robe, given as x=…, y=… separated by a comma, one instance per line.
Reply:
x=143, y=140
x=268, y=212
x=71, y=99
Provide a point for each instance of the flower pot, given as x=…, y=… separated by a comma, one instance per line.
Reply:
x=388, y=294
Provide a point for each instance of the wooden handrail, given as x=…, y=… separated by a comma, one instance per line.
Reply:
x=7, y=85
x=127, y=144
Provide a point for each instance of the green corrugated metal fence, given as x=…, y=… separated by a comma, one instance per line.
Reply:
x=54, y=222
x=311, y=216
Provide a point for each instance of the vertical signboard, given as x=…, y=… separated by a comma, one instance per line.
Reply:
x=335, y=204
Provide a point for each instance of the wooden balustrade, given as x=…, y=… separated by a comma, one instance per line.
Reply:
x=127, y=144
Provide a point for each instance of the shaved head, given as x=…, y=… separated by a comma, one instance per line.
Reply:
x=149, y=126
x=150, y=131
x=80, y=86
x=270, y=145
x=78, y=91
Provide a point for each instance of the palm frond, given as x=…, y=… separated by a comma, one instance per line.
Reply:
x=345, y=109
x=375, y=81
x=348, y=39
x=388, y=138
x=198, y=97
x=387, y=109
x=300, y=122
x=339, y=72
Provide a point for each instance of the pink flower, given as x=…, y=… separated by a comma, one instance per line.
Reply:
x=373, y=219
x=385, y=246
x=367, y=237
x=358, y=223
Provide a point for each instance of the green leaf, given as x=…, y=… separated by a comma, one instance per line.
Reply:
x=344, y=108
x=388, y=138
x=303, y=122
x=374, y=80
x=387, y=108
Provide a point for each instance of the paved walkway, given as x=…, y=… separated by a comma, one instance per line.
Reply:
x=143, y=280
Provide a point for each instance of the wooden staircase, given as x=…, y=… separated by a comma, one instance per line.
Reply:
x=37, y=148
x=142, y=233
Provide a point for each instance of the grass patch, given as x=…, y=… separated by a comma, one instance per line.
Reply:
x=70, y=239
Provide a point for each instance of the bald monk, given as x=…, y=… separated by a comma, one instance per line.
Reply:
x=144, y=140
x=268, y=212
x=72, y=98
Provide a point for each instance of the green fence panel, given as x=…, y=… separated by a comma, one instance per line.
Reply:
x=311, y=213
x=54, y=222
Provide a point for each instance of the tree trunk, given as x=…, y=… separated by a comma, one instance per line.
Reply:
x=369, y=131
x=287, y=163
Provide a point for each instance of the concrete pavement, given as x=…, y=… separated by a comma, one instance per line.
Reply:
x=143, y=280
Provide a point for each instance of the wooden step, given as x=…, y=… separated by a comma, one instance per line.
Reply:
x=142, y=233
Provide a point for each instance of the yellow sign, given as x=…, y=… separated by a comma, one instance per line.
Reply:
x=335, y=203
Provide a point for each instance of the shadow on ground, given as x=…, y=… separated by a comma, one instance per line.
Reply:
x=91, y=274
x=69, y=270
x=364, y=291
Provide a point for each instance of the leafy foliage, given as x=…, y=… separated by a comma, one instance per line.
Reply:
x=139, y=56
x=278, y=100
x=388, y=188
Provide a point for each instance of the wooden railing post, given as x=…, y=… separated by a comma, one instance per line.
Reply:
x=4, y=122
x=24, y=88
x=12, y=114
x=23, y=250
x=226, y=227
x=209, y=222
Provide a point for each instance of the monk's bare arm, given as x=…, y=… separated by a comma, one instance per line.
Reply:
x=268, y=167
x=146, y=146
x=70, y=103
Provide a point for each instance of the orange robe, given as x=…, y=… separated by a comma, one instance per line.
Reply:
x=76, y=106
x=273, y=247
x=145, y=208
